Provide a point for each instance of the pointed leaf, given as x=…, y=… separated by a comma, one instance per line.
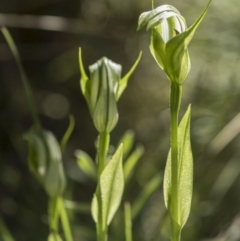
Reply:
x=127, y=140
x=84, y=77
x=67, y=133
x=94, y=208
x=185, y=177
x=124, y=81
x=112, y=186
x=132, y=161
x=176, y=51
x=86, y=164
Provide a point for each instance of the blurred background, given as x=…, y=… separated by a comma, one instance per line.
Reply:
x=48, y=34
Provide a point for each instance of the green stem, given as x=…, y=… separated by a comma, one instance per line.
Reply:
x=65, y=221
x=23, y=75
x=128, y=221
x=175, y=101
x=102, y=151
x=102, y=154
x=53, y=214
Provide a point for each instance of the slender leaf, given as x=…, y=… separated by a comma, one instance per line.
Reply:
x=124, y=81
x=53, y=212
x=94, y=208
x=67, y=133
x=86, y=164
x=127, y=140
x=132, y=161
x=185, y=172
x=146, y=193
x=84, y=77
x=23, y=74
x=65, y=222
x=77, y=207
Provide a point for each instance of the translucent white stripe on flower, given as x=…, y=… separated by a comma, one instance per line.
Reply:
x=167, y=18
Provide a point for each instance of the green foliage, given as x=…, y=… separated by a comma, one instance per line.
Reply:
x=86, y=164
x=151, y=186
x=45, y=161
x=54, y=237
x=132, y=161
x=111, y=185
x=185, y=174
x=68, y=133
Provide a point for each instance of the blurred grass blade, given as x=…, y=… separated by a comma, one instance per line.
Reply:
x=146, y=193
x=54, y=237
x=86, y=164
x=77, y=207
x=225, y=136
x=185, y=178
x=132, y=161
x=23, y=75
x=53, y=212
x=65, y=222
x=124, y=81
x=128, y=221
x=226, y=178
x=5, y=235
x=127, y=140
x=67, y=133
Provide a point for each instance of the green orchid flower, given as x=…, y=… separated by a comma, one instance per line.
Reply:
x=169, y=40
x=103, y=89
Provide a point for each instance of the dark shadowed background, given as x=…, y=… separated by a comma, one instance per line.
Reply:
x=48, y=34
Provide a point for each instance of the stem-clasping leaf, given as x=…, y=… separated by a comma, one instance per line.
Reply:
x=185, y=173
x=111, y=186
x=170, y=38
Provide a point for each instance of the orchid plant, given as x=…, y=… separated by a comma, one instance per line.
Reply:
x=170, y=38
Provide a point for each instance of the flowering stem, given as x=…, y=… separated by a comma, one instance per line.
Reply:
x=53, y=213
x=175, y=101
x=65, y=221
x=102, y=154
x=102, y=151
